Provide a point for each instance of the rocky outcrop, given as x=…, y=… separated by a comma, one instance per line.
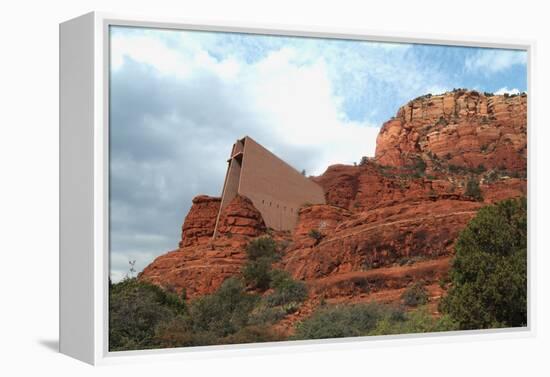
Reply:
x=240, y=217
x=198, y=227
x=460, y=128
x=340, y=183
x=373, y=186
x=320, y=218
x=382, y=237
x=202, y=263
x=198, y=269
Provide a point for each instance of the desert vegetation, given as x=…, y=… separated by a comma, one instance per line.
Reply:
x=489, y=273
x=486, y=288
x=370, y=319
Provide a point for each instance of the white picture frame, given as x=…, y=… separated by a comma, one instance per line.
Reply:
x=84, y=251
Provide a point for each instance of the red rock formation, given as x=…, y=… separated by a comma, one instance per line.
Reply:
x=383, y=236
x=199, y=223
x=201, y=264
x=199, y=269
x=340, y=184
x=322, y=218
x=240, y=217
x=463, y=128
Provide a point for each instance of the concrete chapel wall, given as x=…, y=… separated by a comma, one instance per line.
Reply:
x=276, y=189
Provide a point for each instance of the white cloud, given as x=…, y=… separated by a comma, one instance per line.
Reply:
x=290, y=94
x=505, y=90
x=492, y=61
x=297, y=104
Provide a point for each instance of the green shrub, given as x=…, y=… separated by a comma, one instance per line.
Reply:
x=442, y=121
x=266, y=314
x=369, y=319
x=136, y=308
x=179, y=332
x=252, y=334
x=316, y=235
x=480, y=169
x=489, y=272
x=415, y=295
x=472, y=190
x=223, y=312
x=261, y=253
x=256, y=273
x=417, y=321
x=263, y=247
x=420, y=165
x=344, y=321
x=286, y=291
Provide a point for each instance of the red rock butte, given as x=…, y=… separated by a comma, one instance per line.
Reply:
x=275, y=188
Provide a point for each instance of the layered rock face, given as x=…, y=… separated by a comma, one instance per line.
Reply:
x=198, y=269
x=389, y=222
x=464, y=128
x=382, y=237
x=410, y=202
x=240, y=217
x=199, y=223
x=202, y=263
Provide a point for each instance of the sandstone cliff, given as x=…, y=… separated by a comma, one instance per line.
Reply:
x=463, y=128
x=201, y=264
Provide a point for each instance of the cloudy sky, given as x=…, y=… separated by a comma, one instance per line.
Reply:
x=179, y=99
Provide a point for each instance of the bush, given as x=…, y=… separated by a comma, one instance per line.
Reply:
x=263, y=247
x=136, y=308
x=472, y=190
x=417, y=321
x=415, y=295
x=266, y=314
x=344, y=321
x=286, y=291
x=370, y=319
x=489, y=272
x=316, y=235
x=256, y=273
x=252, y=334
x=261, y=253
x=179, y=333
x=223, y=312
x=480, y=169
x=420, y=165
x=441, y=121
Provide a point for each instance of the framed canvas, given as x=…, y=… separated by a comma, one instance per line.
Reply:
x=250, y=189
